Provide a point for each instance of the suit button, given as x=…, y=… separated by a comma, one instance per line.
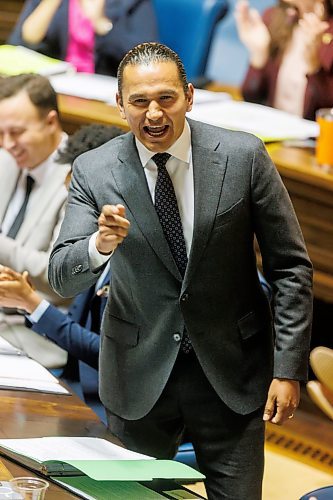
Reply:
x=77, y=269
x=176, y=337
x=184, y=297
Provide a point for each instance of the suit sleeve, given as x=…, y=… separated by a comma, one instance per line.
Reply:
x=69, y=265
x=286, y=267
x=78, y=341
x=134, y=23
x=15, y=38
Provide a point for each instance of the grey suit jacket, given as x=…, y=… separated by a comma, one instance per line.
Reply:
x=32, y=246
x=237, y=194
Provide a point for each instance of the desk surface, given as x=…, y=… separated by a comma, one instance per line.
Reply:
x=30, y=414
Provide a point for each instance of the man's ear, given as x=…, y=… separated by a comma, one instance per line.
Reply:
x=189, y=96
x=52, y=118
x=120, y=106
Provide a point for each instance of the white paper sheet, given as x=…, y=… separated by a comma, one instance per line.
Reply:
x=70, y=448
x=86, y=85
x=263, y=121
x=21, y=372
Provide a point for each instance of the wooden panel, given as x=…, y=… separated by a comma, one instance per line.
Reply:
x=9, y=11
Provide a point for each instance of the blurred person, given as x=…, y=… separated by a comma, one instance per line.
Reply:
x=32, y=195
x=78, y=331
x=321, y=390
x=291, y=55
x=188, y=338
x=93, y=35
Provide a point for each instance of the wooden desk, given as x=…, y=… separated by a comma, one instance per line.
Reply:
x=310, y=189
x=31, y=414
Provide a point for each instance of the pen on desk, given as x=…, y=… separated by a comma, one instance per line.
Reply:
x=12, y=353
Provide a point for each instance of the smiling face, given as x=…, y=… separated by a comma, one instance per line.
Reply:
x=154, y=103
x=24, y=133
x=304, y=6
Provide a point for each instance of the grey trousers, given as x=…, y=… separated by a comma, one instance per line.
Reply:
x=229, y=447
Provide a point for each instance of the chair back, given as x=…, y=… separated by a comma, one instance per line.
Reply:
x=325, y=493
x=187, y=27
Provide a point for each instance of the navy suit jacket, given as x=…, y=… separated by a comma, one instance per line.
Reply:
x=71, y=332
x=133, y=23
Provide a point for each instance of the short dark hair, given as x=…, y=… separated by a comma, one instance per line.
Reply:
x=38, y=88
x=149, y=52
x=86, y=138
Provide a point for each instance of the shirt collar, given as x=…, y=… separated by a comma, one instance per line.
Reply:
x=181, y=149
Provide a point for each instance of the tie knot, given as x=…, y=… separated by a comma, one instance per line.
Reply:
x=30, y=183
x=160, y=159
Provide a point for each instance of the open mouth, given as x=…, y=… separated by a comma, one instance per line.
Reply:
x=156, y=131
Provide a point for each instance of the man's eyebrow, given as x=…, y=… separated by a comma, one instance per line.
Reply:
x=144, y=96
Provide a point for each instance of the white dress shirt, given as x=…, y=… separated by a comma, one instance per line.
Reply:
x=180, y=169
x=39, y=175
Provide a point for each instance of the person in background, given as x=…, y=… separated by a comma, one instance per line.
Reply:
x=321, y=390
x=188, y=341
x=291, y=55
x=93, y=35
x=32, y=195
x=78, y=331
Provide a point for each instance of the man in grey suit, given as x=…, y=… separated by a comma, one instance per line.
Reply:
x=32, y=196
x=189, y=341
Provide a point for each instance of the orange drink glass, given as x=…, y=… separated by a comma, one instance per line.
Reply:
x=324, y=145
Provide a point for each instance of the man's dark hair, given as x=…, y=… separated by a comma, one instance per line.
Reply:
x=147, y=53
x=86, y=138
x=38, y=88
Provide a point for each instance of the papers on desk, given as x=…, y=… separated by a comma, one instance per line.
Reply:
x=267, y=123
x=94, y=457
x=16, y=59
x=86, y=85
x=104, y=88
x=19, y=372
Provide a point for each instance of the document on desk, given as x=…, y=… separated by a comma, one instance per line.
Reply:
x=19, y=372
x=17, y=59
x=94, y=457
x=7, y=348
x=87, y=86
x=267, y=123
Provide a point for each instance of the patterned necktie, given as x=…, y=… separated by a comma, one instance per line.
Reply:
x=14, y=229
x=167, y=210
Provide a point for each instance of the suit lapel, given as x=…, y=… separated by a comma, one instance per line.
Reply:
x=209, y=166
x=9, y=174
x=46, y=192
x=131, y=181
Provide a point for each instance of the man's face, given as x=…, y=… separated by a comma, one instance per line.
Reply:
x=154, y=104
x=24, y=133
x=303, y=6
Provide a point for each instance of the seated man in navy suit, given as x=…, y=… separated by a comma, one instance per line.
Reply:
x=77, y=331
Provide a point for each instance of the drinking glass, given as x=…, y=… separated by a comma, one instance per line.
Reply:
x=30, y=488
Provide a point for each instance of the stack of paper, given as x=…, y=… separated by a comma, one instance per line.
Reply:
x=267, y=123
x=19, y=372
x=15, y=60
x=86, y=85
